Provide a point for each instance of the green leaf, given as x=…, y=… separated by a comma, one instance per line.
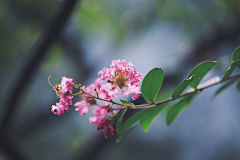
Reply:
x=238, y=86
x=230, y=70
x=200, y=71
x=126, y=103
x=152, y=113
x=114, y=116
x=181, y=87
x=222, y=88
x=236, y=55
x=146, y=116
x=176, y=109
x=151, y=84
x=130, y=122
x=119, y=121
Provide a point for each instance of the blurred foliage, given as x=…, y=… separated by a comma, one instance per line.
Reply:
x=21, y=23
x=123, y=17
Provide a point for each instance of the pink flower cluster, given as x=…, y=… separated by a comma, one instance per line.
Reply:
x=101, y=120
x=107, y=127
x=119, y=75
x=99, y=112
x=85, y=103
x=65, y=100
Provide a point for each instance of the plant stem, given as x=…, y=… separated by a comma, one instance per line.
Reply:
x=154, y=103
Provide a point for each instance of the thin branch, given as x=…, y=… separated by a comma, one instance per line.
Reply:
x=157, y=103
x=185, y=94
x=110, y=101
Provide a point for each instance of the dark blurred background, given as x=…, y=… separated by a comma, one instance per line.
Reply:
x=76, y=39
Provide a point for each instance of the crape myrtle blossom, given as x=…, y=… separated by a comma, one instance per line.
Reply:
x=86, y=102
x=102, y=121
x=120, y=77
x=62, y=90
x=82, y=107
x=107, y=127
x=99, y=113
x=109, y=91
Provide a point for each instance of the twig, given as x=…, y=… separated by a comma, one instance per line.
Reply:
x=157, y=103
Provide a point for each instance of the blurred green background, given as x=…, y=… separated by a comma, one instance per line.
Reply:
x=175, y=35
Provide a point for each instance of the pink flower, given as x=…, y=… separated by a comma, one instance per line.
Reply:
x=58, y=109
x=82, y=107
x=66, y=85
x=90, y=89
x=132, y=89
x=108, y=129
x=109, y=91
x=134, y=76
x=120, y=75
x=99, y=113
x=65, y=100
x=106, y=73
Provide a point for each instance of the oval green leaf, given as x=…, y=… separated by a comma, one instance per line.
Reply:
x=176, y=109
x=119, y=121
x=151, y=84
x=144, y=116
x=200, y=71
x=238, y=86
x=236, y=55
x=130, y=122
x=230, y=70
x=181, y=87
x=152, y=113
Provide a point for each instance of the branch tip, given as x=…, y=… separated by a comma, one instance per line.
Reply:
x=49, y=81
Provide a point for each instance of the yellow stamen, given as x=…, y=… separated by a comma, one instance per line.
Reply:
x=120, y=78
